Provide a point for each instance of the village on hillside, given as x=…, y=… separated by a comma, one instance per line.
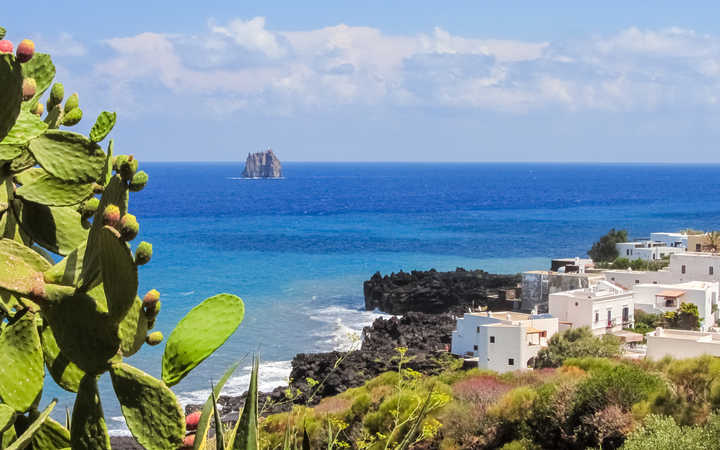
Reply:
x=659, y=295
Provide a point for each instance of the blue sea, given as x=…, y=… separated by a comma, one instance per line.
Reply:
x=297, y=249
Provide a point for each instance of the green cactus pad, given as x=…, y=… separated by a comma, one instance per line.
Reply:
x=82, y=328
x=22, y=162
x=204, y=422
x=42, y=69
x=68, y=156
x=21, y=363
x=7, y=417
x=119, y=273
x=133, y=329
x=103, y=126
x=30, y=175
x=7, y=437
x=67, y=271
x=9, y=152
x=65, y=373
x=88, y=430
x=58, y=229
x=10, y=93
x=53, y=191
x=151, y=410
x=27, y=126
x=20, y=267
x=26, y=438
x=2, y=33
x=215, y=319
x=115, y=193
x=246, y=428
x=51, y=435
x=108, y=169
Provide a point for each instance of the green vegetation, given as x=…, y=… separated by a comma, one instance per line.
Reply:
x=635, y=264
x=69, y=278
x=585, y=403
x=604, y=250
x=577, y=343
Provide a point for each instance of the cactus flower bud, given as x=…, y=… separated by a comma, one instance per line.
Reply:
x=6, y=46
x=154, y=338
x=111, y=215
x=138, y=182
x=72, y=102
x=98, y=188
x=29, y=87
x=143, y=253
x=73, y=117
x=126, y=166
x=57, y=93
x=89, y=207
x=39, y=109
x=25, y=50
x=151, y=298
x=192, y=420
x=189, y=441
x=129, y=227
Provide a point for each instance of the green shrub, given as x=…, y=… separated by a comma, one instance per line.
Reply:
x=577, y=343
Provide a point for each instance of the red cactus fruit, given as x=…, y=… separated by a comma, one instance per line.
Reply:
x=151, y=298
x=6, y=46
x=191, y=420
x=189, y=441
x=25, y=50
x=111, y=215
x=29, y=87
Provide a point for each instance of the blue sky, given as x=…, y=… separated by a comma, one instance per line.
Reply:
x=392, y=80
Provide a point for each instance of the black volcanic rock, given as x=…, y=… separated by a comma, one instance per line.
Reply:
x=262, y=165
x=432, y=291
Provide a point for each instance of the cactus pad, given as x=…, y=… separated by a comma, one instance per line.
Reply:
x=58, y=229
x=7, y=417
x=151, y=410
x=65, y=373
x=67, y=272
x=133, y=329
x=20, y=267
x=88, y=429
x=53, y=191
x=27, y=126
x=83, y=330
x=119, y=273
x=215, y=319
x=68, y=156
x=103, y=126
x=42, y=69
x=51, y=435
x=54, y=117
x=21, y=359
x=9, y=152
x=10, y=93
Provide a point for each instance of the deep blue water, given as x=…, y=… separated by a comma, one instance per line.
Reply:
x=297, y=249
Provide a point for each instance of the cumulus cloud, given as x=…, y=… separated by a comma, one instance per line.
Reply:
x=62, y=45
x=242, y=64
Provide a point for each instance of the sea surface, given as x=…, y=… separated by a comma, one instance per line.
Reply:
x=297, y=249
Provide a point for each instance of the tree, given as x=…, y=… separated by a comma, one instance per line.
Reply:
x=604, y=249
x=577, y=343
x=686, y=317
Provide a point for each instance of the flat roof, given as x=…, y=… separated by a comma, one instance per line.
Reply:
x=686, y=335
x=502, y=315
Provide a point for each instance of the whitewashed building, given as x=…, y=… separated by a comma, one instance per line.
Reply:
x=661, y=298
x=647, y=250
x=502, y=341
x=683, y=267
x=671, y=239
x=681, y=343
x=604, y=308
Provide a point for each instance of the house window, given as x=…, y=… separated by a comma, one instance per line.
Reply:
x=697, y=247
x=475, y=347
x=511, y=362
x=637, y=281
x=626, y=314
x=492, y=339
x=682, y=269
x=478, y=329
x=710, y=270
x=597, y=316
x=627, y=252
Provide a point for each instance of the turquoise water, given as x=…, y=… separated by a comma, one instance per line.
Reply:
x=297, y=249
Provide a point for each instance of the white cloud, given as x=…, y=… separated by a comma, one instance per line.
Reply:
x=244, y=65
x=62, y=45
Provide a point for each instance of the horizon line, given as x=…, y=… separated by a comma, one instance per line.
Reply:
x=683, y=163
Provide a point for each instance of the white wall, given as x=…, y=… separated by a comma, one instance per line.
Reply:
x=698, y=267
x=581, y=311
x=645, y=299
x=660, y=346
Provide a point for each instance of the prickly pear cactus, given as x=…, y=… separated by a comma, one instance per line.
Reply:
x=69, y=275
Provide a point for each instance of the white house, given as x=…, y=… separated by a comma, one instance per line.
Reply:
x=647, y=250
x=671, y=239
x=688, y=266
x=502, y=341
x=661, y=298
x=681, y=343
x=604, y=308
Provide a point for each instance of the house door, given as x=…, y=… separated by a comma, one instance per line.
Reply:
x=626, y=314
x=609, y=317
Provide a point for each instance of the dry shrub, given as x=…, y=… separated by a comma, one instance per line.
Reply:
x=332, y=405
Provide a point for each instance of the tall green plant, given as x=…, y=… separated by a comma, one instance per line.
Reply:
x=78, y=313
